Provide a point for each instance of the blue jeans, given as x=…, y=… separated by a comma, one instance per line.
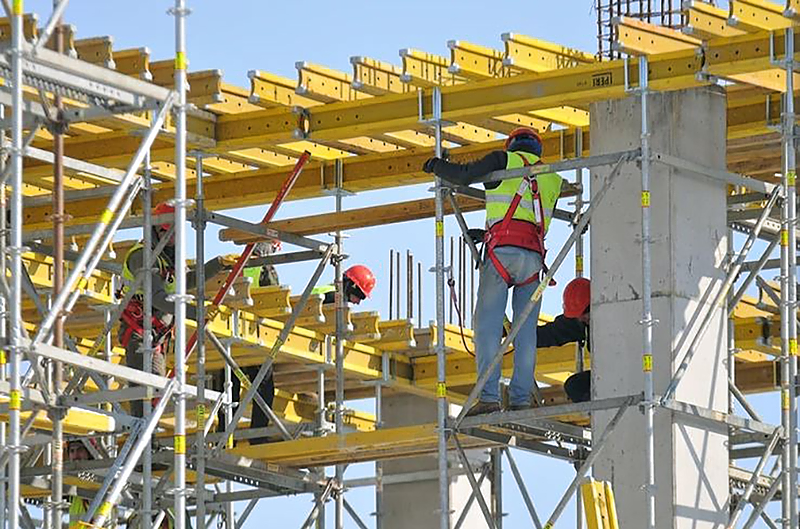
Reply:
x=489, y=311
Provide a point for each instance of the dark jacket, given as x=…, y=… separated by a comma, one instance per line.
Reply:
x=561, y=331
x=464, y=174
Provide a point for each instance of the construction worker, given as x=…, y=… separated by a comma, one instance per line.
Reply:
x=571, y=326
x=163, y=281
x=518, y=213
x=262, y=276
x=77, y=451
x=358, y=283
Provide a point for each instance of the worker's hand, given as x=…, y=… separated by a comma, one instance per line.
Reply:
x=430, y=165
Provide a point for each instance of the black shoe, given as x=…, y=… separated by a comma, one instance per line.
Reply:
x=482, y=408
x=518, y=407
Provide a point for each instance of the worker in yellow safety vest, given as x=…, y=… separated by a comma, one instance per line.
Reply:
x=163, y=280
x=518, y=214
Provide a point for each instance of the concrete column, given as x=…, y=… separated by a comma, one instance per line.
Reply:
x=416, y=504
x=688, y=252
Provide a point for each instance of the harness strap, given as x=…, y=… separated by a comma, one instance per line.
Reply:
x=505, y=224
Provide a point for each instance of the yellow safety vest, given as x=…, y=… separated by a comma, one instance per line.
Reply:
x=164, y=268
x=498, y=200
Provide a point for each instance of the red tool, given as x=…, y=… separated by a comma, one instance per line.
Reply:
x=211, y=311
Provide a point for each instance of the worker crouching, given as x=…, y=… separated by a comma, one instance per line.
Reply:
x=518, y=214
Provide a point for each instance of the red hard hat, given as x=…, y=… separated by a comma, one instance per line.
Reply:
x=521, y=132
x=163, y=209
x=362, y=277
x=577, y=297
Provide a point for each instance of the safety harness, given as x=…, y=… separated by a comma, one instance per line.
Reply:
x=520, y=233
x=133, y=317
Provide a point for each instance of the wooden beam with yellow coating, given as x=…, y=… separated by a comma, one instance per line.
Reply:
x=388, y=443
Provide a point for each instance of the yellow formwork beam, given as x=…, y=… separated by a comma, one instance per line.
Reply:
x=385, y=443
x=477, y=62
x=377, y=78
x=30, y=27
x=324, y=84
x=427, y=69
x=636, y=37
x=269, y=90
x=134, y=62
x=757, y=15
x=705, y=21
x=96, y=50
x=534, y=55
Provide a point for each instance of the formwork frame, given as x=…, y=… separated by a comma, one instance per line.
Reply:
x=18, y=343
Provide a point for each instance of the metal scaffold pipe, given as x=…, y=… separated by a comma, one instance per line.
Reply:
x=788, y=295
x=441, y=384
x=181, y=298
x=647, y=308
x=16, y=249
x=200, y=275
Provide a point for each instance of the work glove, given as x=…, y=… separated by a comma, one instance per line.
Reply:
x=476, y=234
x=430, y=165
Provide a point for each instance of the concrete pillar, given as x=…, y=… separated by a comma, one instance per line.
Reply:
x=688, y=252
x=416, y=504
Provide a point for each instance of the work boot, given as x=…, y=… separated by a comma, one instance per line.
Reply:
x=482, y=408
x=518, y=407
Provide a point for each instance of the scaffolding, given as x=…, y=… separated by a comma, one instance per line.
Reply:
x=73, y=380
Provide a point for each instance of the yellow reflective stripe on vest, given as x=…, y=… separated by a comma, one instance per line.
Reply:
x=498, y=200
x=129, y=276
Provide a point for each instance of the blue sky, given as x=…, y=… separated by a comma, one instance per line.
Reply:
x=240, y=35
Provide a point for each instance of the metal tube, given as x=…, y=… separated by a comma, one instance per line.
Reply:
x=341, y=302
x=101, y=516
x=523, y=489
x=497, y=487
x=739, y=396
x=539, y=290
x=57, y=414
x=733, y=272
x=229, y=514
x=487, y=514
x=15, y=249
x=181, y=298
x=759, y=509
x=391, y=283
x=409, y=285
x=378, y=463
x=753, y=271
x=751, y=484
x=353, y=514
x=441, y=385
x=3, y=315
x=419, y=295
x=398, y=302
x=597, y=448
x=465, y=511
x=450, y=268
x=113, y=204
x=579, y=250
x=200, y=282
x=790, y=177
x=647, y=307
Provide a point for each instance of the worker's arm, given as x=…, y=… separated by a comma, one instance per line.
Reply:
x=560, y=331
x=160, y=301
x=465, y=174
x=212, y=268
